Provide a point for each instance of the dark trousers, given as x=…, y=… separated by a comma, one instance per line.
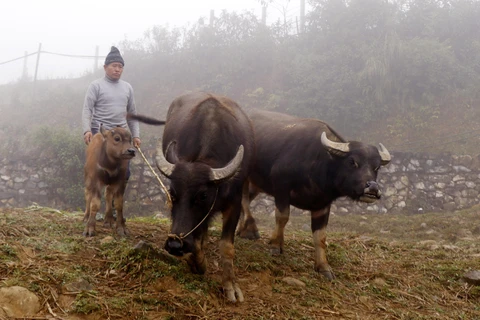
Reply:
x=94, y=132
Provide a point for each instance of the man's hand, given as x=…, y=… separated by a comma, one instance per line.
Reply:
x=87, y=137
x=137, y=142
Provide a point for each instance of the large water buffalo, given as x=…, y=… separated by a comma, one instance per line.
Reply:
x=305, y=163
x=206, y=152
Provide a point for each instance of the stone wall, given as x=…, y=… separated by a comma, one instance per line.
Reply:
x=410, y=183
x=24, y=180
x=415, y=183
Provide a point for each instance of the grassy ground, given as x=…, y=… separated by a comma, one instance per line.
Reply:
x=386, y=267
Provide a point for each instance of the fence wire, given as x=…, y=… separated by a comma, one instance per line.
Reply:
x=53, y=53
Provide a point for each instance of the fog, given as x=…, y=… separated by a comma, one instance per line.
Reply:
x=77, y=28
x=405, y=73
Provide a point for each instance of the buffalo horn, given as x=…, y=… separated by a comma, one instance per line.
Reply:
x=336, y=148
x=230, y=169
x=384, y=154
x=163, y=165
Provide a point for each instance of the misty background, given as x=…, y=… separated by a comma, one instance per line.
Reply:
x=72, y=32
x=404, y=73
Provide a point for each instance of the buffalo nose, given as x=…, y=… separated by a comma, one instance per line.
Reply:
x=131, y=151
x=174, y=246
x=372, y=186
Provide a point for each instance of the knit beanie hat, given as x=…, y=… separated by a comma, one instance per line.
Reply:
x=114, y=56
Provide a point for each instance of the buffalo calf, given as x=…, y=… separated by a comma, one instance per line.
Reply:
x=106, y=165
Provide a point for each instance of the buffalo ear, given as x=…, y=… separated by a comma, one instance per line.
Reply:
x=103, y=131
x=171, y=152
x=165, y=166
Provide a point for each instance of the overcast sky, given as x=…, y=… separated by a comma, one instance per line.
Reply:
x=77, y=27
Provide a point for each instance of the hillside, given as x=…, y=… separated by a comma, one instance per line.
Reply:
x=453, y=128
x=58, y=103
x=387, y=267
x=404, y=74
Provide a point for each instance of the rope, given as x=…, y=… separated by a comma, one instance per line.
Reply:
x=182, y=236
x=53, y=53
x=72, y=55
x=169, y=198
x=169, y=202
x=22, y=57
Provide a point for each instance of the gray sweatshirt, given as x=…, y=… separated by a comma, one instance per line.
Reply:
x=107, y=102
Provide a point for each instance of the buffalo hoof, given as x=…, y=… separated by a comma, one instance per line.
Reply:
x=232, y=292
x=249, y=234
x=122, y=231
x=90, y=233
x=276, y=251
x=196, y=267
x=276, y=247
x=249, y=230
x=109, y=222
x=328, y=274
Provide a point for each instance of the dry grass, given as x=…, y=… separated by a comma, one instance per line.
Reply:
x=387, y=267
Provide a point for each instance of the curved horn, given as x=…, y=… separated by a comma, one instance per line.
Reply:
x=230, y=169
x=163, y=165
x=384, y=154
x=336, y=148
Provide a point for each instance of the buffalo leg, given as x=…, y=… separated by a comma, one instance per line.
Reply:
x=94, y=206
x=248, y=228
x=227, y=252
x=319, y=226
x=88, y=200
x=197, y=260
x=282, y=214
x=109, y=220
x=120, y=221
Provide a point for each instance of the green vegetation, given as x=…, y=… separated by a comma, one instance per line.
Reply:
x=7, y=252
x=86, y=302
x=386, y=266
x=63, y=154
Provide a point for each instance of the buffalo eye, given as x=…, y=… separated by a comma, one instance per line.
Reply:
x=201, y=196
x=117, y=139
x=376, y=169
x=353, y=163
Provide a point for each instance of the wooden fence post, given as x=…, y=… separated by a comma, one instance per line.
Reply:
x=302, y=16
x=38, y=61
x=25, y=71
x=95, y=63
x=212, y=17
x=264, y=15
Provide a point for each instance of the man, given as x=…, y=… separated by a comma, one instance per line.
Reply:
x=107, y=101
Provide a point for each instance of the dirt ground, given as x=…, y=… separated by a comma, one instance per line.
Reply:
x=386, y=267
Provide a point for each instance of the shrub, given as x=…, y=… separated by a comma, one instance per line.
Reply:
x=63, y=150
